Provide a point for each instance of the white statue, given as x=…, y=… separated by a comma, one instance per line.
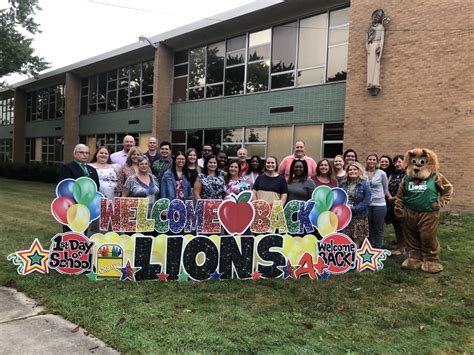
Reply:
x=375, y=40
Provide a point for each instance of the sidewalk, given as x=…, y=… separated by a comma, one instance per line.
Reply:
x=26, y=329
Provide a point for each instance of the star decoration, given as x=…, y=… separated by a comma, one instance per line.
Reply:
x=162, y=276
x=325, y=275
x=16, y=260
x=183, y=277
x=215, y=275
x=128, y=272
x=35, y=258
x=256, y=276
x=367, y=257
x=92, y=276
x=320, y=266
x=288, y=271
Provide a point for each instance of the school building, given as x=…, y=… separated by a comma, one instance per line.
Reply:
x=261, y=77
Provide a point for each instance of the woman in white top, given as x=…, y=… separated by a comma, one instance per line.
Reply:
x=378, y=208
x=107, y=172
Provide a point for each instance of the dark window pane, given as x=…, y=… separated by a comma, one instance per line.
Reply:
x=331, y=150
x=234, y=80
x=197, y=68
x=122, y=99
x=112, y=75
x=231, y=149
x=257, y=77
x=178, y=136
x=175, y=148
x=284, y=47
x=215, y=63
x=123, y=83
x=123, y=72
x=135, y=80
x=93, y=90
x=195, y=94
x=181, y=57
x=180, y=70
x=84, y=91
x=236, y=43
x=283, y=80
x=213, y=137
x=214, y=90
x=194, y=139
x=147, y=78
x=333, y=132
x=52, y=110
x=84, y=82
x=147, y=100
x=101, y=95
x=101, y=107
x=112, y=85
x=179, y=89
x=235, y=58
x=83, y=105
x=135, y=102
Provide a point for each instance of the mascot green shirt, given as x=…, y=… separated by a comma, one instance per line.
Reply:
x=420, y=195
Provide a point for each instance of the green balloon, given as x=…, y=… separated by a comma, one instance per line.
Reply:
x=323, y=198
x=84, y=190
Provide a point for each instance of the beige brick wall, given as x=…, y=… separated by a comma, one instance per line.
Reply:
x=427, y=86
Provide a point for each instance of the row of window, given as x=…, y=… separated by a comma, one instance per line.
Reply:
x=306, y=51
x=321, y=140
x=119, y=89
x=45, y=104
x=113, y=141
x=6, y=111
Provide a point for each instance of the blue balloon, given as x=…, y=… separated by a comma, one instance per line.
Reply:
x=64, y=188
x=340, y=196
x=94, y=206
x=313, y=216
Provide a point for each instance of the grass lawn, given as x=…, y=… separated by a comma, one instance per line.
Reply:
x=389, y=311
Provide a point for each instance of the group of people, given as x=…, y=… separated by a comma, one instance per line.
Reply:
x=371, y=189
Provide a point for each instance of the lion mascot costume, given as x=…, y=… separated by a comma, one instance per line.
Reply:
x=420, y=196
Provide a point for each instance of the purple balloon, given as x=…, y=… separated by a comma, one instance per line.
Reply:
x=64, y=188
x=340, y=196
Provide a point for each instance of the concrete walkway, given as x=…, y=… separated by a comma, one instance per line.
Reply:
x=26, y=329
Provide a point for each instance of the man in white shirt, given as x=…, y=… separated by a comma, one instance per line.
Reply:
x=120, y=157
x=206, y=152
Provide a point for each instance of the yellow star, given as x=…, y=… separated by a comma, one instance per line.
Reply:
x=35, y=258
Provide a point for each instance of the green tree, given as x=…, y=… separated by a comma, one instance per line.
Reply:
x=16, y=53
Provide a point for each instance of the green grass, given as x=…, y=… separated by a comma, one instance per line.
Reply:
x=389, y=311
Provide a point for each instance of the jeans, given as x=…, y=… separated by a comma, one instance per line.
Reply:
x=376, y=222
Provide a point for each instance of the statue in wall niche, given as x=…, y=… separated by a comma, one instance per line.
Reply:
x=375, y=40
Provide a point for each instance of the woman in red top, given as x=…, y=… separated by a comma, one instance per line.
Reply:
x=324, y=175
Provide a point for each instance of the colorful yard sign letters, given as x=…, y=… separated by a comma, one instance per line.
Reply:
x=238, y=238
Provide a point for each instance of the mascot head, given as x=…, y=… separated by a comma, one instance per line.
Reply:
x=421, y=163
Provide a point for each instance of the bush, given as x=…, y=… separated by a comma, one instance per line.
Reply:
x=31, y=172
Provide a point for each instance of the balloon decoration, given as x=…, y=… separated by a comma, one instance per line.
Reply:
x=330, y=213
x=77, y=203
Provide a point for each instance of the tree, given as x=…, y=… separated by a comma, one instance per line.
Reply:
x=16, y=53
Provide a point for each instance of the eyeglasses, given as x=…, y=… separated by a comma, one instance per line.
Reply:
x=86, y=153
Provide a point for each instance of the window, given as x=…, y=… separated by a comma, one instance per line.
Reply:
x=45, y=104
x=235, y=65
x=283, y=55
x=118, y=89
x=332, y=139
x=255, y=141
x=312, y=50
x=306, y=51
x=258, y=61
x=6, y=111
x=30, y=149
x=5, y=150
x=52, y=150
x=338, y=44
x=112, y=141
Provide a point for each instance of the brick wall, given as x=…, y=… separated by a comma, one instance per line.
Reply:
x=427, y=87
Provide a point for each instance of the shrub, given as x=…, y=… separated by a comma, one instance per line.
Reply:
x=33, y=171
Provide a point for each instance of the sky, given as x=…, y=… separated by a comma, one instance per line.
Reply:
x=73, y=30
